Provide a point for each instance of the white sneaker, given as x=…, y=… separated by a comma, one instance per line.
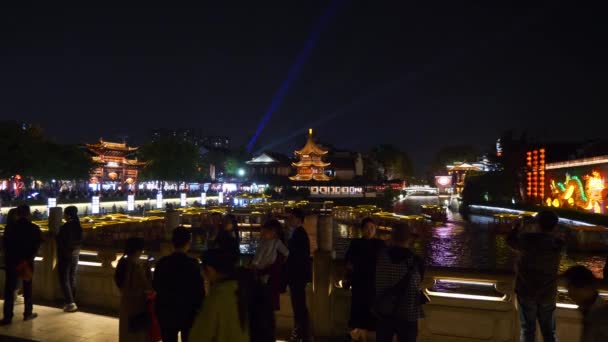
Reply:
x=71, y=308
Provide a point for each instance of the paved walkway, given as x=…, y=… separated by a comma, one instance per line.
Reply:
x=54, y=325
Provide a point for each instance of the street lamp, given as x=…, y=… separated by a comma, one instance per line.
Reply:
x=241, y=172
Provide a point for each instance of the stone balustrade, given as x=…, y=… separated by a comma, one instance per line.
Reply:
x=456, y=315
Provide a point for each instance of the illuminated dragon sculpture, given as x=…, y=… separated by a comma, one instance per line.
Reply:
x=587, y=194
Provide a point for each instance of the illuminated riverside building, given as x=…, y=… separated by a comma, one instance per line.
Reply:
x=578, y=184
x=310, y=165
x=459, y=170
x=116, y=168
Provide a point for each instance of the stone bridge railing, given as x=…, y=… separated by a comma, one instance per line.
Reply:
x=460, y=313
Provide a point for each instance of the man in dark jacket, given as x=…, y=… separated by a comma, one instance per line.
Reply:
x=180, y=288
x=536, y=284
x=299, y=273
x=69, y=242
x=21, y=243
x=393, y=264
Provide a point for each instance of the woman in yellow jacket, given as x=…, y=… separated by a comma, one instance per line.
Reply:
x=223, y=317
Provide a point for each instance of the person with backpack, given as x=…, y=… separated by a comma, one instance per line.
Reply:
x=69, y=241
x=133, y=278
x=179, y=287
x=21, y=243
x=399, y=272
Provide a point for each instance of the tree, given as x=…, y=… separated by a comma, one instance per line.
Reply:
x=170, y=160
x=393, y=163
x=28, y=153
x=451, y=154
x=231, y=166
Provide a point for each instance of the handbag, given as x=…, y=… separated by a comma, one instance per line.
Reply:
x=24, y=270
x=385, y=305
x=139, y=321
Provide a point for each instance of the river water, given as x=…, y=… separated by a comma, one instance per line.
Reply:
x=465, y=244
x=471, y=244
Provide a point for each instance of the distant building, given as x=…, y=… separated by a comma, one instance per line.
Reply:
x=193, y=136
x=458, y=171
x=117, y=167
x=216, y=142
x=310, y=165
x=269, y=164
x=345, y=165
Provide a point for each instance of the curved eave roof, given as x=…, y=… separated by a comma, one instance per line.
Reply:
x=311, y=148
x=317, y=164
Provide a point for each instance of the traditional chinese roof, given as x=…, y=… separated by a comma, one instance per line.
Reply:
x=311, y=147
x=309, y=163
x=269, y=158
x=318, y=177
x=111, y=148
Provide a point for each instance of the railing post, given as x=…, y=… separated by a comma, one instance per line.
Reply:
x=172, y=221
x=321, y=313
x=47, y=282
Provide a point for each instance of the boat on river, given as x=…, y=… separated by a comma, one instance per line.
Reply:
x=435, y=213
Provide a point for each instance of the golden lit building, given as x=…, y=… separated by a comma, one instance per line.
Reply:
x=116, y=168
x=310, y=165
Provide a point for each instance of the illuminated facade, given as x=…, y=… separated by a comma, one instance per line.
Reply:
x=116, y=169
x=458, y=172
x=578, y=184
x=310, y=165
x=535, y=175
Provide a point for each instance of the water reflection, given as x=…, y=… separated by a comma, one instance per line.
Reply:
x=458, y=243
x=469, y=244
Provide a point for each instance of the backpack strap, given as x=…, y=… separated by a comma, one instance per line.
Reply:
x=402, y=284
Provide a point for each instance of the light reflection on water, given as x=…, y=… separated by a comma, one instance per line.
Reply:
x=472, y=244
x=459, y=244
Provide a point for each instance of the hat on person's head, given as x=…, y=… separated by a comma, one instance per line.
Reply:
x=402, y=232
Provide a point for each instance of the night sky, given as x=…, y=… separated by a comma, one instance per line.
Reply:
x=458, y=72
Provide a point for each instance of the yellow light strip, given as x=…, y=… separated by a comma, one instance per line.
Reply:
x=90, y=253
x=567, y=306
x=466, y=296
x=38, y=258
x=89, y=263
x=578, y=162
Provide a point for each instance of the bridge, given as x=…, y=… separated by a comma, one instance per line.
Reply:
x=420, y=190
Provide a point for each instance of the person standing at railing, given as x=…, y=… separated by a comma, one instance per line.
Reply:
x=180, y=288
x=582, y=289
x=398, y=302
x=360, y=262
x=536, y=283
x=133, y=278
x=69, y=242
x=299, y=273
x=21, y=243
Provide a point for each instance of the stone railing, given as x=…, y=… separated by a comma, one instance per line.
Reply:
x=455, y=315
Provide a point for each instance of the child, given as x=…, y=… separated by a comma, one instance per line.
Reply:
x=269, y=258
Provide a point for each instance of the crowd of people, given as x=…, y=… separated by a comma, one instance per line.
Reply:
x=217, y=298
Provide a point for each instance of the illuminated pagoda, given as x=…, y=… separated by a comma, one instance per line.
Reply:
x=115, y=169
x=311, y=165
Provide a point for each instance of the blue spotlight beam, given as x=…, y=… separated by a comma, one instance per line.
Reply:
x=296, y=68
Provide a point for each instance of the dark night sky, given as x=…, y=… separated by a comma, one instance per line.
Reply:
x=391, y=72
